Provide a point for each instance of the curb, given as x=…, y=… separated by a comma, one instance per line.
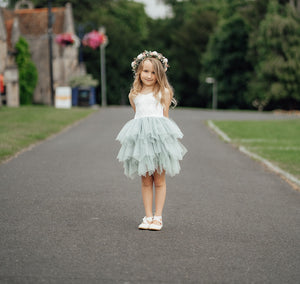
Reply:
x=292, y=180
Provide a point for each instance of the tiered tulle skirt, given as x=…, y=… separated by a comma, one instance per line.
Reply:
x=149, y=144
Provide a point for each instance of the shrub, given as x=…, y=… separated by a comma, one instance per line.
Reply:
x=28, y=75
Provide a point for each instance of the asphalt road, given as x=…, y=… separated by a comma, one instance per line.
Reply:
x=69, y=215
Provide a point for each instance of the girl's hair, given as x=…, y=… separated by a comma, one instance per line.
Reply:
x=162, y=83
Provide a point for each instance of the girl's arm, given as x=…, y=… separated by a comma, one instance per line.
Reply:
x=167, y=103
x=132, y=103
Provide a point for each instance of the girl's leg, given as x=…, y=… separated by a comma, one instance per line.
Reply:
x=160, y=192
x=147, y=193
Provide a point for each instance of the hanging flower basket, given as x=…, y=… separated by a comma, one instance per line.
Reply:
x=94, y=39
x=67, y=39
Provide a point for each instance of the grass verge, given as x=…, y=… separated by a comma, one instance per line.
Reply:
x=23, y=126
x=276, y=141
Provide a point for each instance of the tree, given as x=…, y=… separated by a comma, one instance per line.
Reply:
x=126, y=28
x=225, y=60
x=186, y=35
x=277, y=73
x=28, y=75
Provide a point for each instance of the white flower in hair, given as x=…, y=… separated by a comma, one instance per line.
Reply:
x=149, y=54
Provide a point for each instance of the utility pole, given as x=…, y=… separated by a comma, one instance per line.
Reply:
x=50, y=23
x=102, y=70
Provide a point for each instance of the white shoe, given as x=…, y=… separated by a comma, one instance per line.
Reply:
x=155, y=227
x=146, y=223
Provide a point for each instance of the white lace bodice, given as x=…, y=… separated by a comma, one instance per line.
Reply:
x=147, y=105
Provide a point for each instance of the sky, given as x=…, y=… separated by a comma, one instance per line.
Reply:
x=156, y=8
x=3, y=3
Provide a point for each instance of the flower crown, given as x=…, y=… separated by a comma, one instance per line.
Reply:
x=149, y=54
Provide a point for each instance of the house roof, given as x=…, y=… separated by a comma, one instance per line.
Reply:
x=33, y=22
x=8, y=22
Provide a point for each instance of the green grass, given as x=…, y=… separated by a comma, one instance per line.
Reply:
x=23, y=126
x=276, y=141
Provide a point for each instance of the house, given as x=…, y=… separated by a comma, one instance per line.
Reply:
x=32, y=24
x=8, y=68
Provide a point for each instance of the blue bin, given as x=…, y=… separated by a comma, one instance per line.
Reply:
x=83, y=96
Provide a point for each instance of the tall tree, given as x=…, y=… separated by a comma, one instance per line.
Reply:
x=187, y=34
x=277, y=80
x=127, y=30
x=225, y=60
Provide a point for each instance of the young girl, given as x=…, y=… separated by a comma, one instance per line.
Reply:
x=149, y=142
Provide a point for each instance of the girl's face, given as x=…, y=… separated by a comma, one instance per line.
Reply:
x=147, y=75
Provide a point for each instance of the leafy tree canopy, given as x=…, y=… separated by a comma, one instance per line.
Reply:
x=277, y=78
x=225, y=60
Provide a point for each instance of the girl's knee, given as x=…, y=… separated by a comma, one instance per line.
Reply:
x=159, y=184
x=147, y=181
x=159, y=180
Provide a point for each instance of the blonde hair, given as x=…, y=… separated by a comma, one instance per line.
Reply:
x=161, y=86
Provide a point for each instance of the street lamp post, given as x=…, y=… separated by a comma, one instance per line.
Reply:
x=102, y=69
x=50, y=23
x=94, y=40
x=213, y=81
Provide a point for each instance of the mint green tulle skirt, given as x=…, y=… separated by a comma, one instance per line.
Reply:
x=150, y=144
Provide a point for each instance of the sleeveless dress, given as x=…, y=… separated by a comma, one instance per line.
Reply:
x=149, y=142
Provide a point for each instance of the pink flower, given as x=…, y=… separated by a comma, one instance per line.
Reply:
x=94, y=39
x=65, y=39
